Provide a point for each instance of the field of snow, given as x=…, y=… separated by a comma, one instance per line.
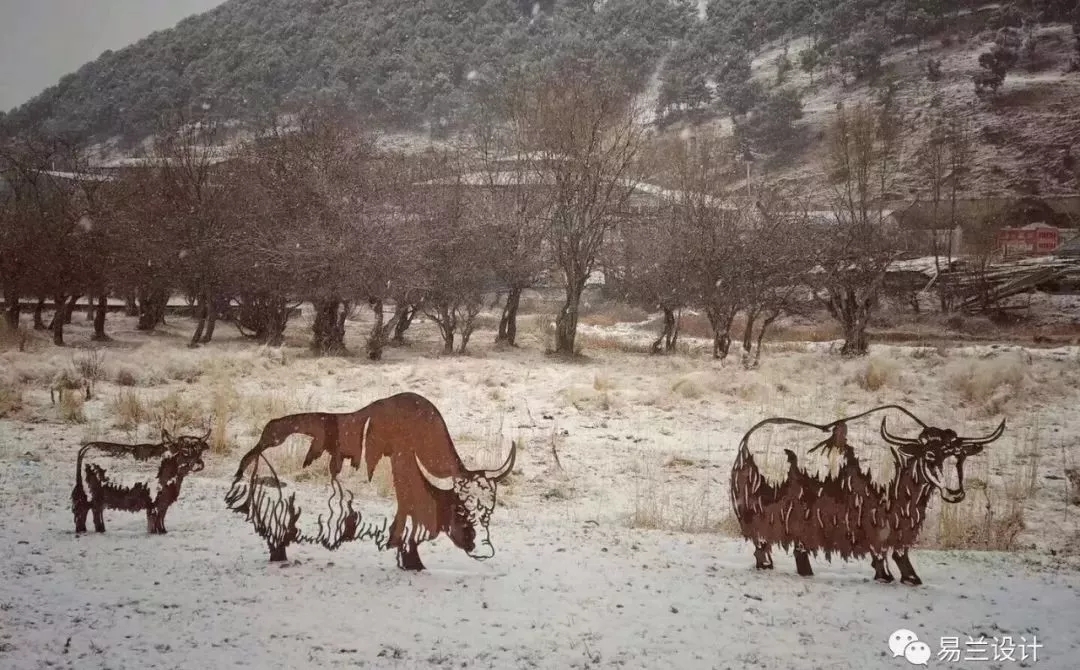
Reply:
x=619, y=553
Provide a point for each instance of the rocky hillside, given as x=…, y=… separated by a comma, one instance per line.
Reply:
x=767, y=72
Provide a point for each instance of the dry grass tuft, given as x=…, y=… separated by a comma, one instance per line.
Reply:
x=224, y=403
x=125, y=376
x=695, y=384
x=988, y=383
x=71, y=408
x=876, y=373
x=129, y=409
x=603, y=382
x=11, y=400
x=175, y=413
x=183, y=371
x=90, y=363
x=655, y=508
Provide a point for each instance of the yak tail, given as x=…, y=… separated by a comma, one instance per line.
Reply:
x=79, y=492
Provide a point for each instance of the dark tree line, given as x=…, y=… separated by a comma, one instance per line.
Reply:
x=319, y=213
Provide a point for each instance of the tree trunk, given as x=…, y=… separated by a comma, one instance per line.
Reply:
x=39, y=322
x=666, y=335
x=277, y=319
x=11, y=312
x=99, y=318
x=720, y=320
x=69, y=309
x=151, y=308
x=211, y=319
x=567, y=320
x=201, y=313
x=91, y=308
x=403, y=314
x=447, y=325
x=508, y=320
x=761, y=335
x=59, y=320
x=329, y=327
x=377, y=338
x=856, y=319
x=131, y=305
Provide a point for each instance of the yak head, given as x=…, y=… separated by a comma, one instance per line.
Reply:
x=187, y=450
x=473, y=503
x=935, y=452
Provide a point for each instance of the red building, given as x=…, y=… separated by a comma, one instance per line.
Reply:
x=1032, y=239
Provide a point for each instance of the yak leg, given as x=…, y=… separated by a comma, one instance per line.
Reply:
x=907, y=573
x=80, y=506
x=277, y=551
x=763, y=556
x=881, y=568
x=802, y=562
x=161, y=519
x=98, y=506
x=408, y=558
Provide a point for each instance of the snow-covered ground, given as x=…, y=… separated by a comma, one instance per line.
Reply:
x=620, y=557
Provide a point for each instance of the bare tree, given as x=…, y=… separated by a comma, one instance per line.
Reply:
x=183, y=157
x=710, y=226
x=456, y=265
x=514, y=205
x=856, y=244
x=775, y=257
x=44, y=222
x=944, y=159
x=584, y=135
x=651, y=253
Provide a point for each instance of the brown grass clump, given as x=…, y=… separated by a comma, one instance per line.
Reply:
x=876, y=373
x=90, y=364
x=11, y=400
x=71, y=408
x=988, y=383
x=223, y=406
x=129, y=410
x=655, y=508
x=175, y=413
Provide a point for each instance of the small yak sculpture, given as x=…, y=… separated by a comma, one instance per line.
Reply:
x=177, y=458
x=848, y=513
x=435, y=492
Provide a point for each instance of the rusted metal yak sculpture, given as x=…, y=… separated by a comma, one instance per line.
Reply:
x=848, y=513
x=435, y=492
x=176, y=458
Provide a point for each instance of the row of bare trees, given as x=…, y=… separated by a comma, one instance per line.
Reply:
x=319, y=213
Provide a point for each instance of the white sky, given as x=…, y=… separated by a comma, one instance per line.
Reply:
x=42, y=40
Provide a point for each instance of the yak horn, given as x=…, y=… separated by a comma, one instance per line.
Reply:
x=498, y=475
x=975, y=441
x=897, y=441
x=206, y=436
x=441, y=483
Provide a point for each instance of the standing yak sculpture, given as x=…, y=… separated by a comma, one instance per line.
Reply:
x=435, y=492
x=848, y=513
x=176, y=458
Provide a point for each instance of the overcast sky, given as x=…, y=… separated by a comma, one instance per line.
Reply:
x=42, y=40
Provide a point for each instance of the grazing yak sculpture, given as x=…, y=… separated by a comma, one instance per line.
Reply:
x=177, y=458
x=435, y=492
x=848, y=513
